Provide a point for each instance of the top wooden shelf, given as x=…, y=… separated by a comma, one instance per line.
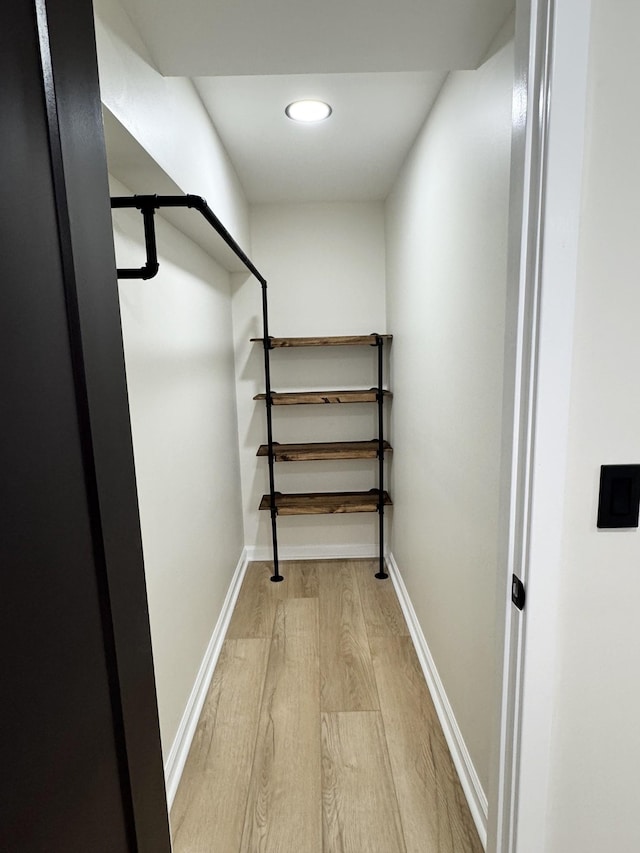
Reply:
x=330, y=341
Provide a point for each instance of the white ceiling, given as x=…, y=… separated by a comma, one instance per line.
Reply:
x=204, y=38
x=353, y=155
x=379, y=63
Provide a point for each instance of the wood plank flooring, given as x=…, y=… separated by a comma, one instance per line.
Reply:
x=219, y=767
x=347, y=682
x=319, y=734
x=432, y=806
x=358, y=796
x=285, y=792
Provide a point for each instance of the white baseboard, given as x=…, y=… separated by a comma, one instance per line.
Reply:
x=312, y=552
x=180, y=749
x=469, y=780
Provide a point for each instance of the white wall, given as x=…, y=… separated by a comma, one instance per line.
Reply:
x=179, y=356
x=166, y=116
x=180, y=372
x=595, y=799
x=446, y=276
x=325, y=264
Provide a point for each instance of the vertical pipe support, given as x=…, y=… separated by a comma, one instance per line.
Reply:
x=381, y=574
x=151, y=267
x=266, y=341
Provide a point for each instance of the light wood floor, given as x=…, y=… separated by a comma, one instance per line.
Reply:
x=318, y=734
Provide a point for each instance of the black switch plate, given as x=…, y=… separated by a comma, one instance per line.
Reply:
x=619, y=500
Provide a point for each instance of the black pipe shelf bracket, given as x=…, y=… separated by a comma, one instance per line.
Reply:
x=147, y=205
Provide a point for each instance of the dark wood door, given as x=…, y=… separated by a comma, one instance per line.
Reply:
x=81, y=760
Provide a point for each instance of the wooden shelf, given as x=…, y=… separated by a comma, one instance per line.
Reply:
x=327, y=503
x=327, y=341
x=297, y=398
x=323, y=450
x=323, y=503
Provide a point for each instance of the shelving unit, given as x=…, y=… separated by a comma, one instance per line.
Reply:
x=317, y=503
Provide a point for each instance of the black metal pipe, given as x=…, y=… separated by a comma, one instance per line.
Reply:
x=150, y=268
x=144, y=273
x=153, y=202
x=381, y=573
x=152, y=265
x=148, y=204
x=266, y=341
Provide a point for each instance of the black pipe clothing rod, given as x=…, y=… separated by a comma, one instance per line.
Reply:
x=147, y=205
x=154, y=202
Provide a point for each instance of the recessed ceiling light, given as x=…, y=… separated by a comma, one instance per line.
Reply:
x=308, y=111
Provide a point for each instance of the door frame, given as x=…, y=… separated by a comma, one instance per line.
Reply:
x=73, y=115
x=551, y=73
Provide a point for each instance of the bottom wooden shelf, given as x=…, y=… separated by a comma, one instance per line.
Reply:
x=322, y=503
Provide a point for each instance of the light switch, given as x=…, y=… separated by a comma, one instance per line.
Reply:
x=619, y=499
